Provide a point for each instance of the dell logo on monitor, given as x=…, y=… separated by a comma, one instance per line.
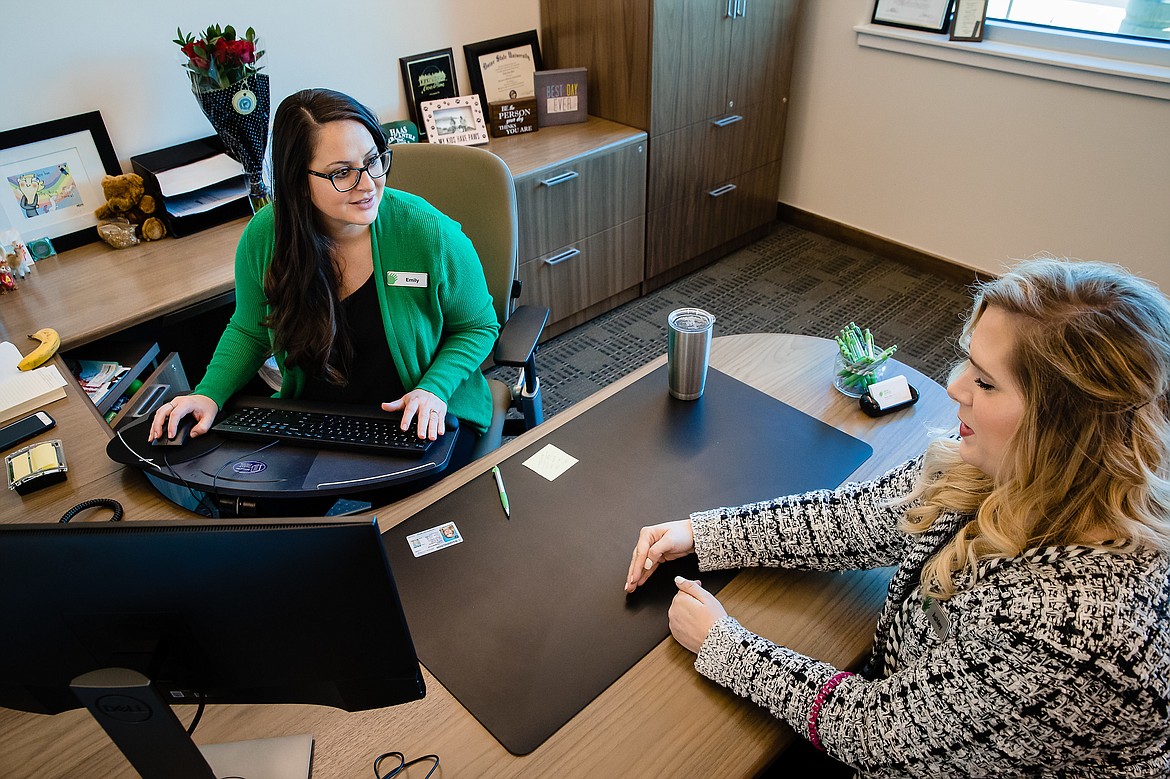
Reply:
x=124, y=708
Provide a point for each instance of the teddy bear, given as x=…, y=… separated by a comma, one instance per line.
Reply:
x=126, y=199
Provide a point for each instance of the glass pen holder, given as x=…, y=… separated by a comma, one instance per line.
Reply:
x=854, y=378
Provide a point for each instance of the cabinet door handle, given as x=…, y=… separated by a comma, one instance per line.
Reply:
x=741, y=7
x=557, y=259
x=726, y=120
x=561, y=178
x=730, y=9
x=150, y=400
x=721, y=191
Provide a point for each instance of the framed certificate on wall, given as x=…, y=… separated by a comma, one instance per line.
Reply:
x=429, y=76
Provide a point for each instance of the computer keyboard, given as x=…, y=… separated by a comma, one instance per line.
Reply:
x=325, y=430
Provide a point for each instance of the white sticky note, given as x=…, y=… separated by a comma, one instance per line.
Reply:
x=550, y=462
x=890, y=392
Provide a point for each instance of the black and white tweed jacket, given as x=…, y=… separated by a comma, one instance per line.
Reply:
x=1056, y=663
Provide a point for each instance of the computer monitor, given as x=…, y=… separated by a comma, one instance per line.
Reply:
x=126, y=618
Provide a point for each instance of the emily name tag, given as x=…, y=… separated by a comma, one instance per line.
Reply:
x=427, y=541
x=401, y=278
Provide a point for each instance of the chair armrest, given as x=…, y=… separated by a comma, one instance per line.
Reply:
x=518, y=337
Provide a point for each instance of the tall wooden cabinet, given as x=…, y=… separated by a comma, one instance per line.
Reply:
x=708, y=81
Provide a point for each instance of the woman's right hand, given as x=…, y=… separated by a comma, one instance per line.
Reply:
x=166, y=419
x=657, y=544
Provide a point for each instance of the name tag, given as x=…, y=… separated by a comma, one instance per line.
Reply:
x=399, y=278
x=937, y=618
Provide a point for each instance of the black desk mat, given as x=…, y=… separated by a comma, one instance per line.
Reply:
x=526, y=621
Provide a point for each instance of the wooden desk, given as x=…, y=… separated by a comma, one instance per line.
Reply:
x=661, y=718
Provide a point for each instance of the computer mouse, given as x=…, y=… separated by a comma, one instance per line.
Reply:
x=181, y=435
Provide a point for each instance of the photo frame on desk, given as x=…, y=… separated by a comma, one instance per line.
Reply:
x=926, y=15
x=502, y=69
x=456, y=120
x=428, y=76
x=52, y=178
x=969, y=18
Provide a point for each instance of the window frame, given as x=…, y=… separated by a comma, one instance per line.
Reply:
x=1131, y=65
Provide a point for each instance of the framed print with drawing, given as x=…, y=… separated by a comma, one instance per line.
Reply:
x=52, y=178
x=928, y=15
x=457, y=120
x=429, y=76
x=502, y=69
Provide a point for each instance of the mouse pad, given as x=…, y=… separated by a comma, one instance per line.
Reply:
x=525, y=621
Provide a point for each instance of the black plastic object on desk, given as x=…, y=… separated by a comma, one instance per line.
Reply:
x=525, y=621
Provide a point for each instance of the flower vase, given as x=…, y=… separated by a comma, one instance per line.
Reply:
x=239, y=113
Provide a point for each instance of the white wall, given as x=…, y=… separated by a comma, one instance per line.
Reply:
x=66, y=57
x=975, y=166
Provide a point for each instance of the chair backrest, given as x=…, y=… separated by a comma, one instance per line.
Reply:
x=475, y=188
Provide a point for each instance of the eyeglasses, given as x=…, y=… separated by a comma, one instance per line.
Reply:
x=345, y=179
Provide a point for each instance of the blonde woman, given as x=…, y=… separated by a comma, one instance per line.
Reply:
x=1027, y=629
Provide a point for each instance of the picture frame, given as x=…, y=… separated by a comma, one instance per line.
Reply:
x=428, y=76
x=455, y=120
x=501, y=69
x=66, y=158
x=562, y=96
x=926, y=15
x=968, y=20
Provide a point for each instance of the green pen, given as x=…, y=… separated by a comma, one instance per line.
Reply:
x=502, y=491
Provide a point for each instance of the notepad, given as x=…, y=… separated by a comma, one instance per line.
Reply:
x=22, y=392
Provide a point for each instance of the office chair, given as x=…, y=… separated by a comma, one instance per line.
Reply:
x=474, y=187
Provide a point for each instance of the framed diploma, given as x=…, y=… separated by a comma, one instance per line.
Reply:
x=429, y=76
x=501, y=69
x=929, y=15
x=457, y=120
x=970, y=16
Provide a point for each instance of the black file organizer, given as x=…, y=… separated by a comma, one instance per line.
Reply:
x=149, y=165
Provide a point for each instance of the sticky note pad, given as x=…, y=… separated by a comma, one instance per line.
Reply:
x=21, y=466
x=43, y=457
x=550, y=462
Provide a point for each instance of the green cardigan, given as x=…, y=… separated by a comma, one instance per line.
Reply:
x=439, y=334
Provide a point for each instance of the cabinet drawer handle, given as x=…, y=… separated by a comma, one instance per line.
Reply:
x=726, y=120
x=721, y=191
x=557, y=259
x=561, y=178
x=149, y=400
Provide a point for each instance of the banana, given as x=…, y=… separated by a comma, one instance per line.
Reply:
x=50, y=342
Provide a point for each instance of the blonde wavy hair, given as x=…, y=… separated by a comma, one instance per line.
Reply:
x=1092, y=452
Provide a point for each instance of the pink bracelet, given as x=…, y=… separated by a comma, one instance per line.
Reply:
x=815, y=712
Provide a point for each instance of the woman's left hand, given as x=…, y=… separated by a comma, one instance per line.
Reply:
x=693, y=613
x=431, y=412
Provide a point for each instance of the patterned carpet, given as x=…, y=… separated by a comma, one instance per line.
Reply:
x=791, y=281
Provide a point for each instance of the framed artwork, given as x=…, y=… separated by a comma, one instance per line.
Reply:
x=928, y=15
x=52, y=178
x=561, y=96
x=969, y=18
x=502, y=69
x=429, y=76
x=457, y=120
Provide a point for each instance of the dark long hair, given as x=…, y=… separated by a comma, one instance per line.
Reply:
x=302, y=284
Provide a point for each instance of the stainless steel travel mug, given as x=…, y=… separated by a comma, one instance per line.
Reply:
x=688, y=350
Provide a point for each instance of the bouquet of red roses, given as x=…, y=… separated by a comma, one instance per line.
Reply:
x=234, y=95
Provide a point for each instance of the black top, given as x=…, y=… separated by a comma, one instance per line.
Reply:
x=372, y=377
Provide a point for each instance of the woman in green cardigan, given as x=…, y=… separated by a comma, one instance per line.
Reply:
x=363, y=294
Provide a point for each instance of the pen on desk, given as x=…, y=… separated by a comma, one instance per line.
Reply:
x=503, y=492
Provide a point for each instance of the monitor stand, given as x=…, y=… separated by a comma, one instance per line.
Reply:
x=146, y=730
